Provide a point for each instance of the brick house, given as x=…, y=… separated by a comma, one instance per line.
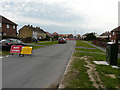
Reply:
x=115, y=35
x=7, y=27
x=105, y=35
x=30, y=31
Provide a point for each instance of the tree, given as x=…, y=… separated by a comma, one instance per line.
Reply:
x=90, y=36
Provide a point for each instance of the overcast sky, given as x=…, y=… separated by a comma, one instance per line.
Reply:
x=63, y=16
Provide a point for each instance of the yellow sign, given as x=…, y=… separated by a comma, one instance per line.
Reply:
x=26, y=50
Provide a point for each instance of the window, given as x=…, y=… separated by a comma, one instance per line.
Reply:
x=113, y=33
x=8, y=26
x=4, y=34
x=14, y=27
x=0, y=24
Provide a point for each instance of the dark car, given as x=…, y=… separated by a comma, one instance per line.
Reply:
x=61, y=40
x=7, y=43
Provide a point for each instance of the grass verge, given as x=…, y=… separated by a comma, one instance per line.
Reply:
x=46, y=43
x=80, y=77
x=77, y=76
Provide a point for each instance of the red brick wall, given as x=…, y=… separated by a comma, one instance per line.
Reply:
x=9, y=31
x=115, y=36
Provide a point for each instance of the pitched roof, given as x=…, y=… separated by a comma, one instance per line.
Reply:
x=105, y=34
x=86, y=34
x=116, y=29
x=6, y=21
x=35, y=29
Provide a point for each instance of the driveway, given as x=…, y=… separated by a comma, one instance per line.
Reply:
x=40, y=71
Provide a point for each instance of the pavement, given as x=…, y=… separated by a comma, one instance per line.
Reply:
x=42, y=70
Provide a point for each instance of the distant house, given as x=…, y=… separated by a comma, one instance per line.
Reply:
x=63, y=35
x=85, y=35
x=115, y=35
x=49, y=35
x=105, y=35
x=7, y=27
x=30, y=31
x=95, y=34
x=78, y=36
x=55, y=34
x=70, y=36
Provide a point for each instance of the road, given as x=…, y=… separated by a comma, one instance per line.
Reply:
x=40, y=71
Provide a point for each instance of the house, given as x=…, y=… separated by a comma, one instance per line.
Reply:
x=115, y=35
x=55, y=34
x=7, y=27
x=30, y=31
x=70, y=36
x=105, y=35
x=49, y=35
x=84, y=35
x=63, y=35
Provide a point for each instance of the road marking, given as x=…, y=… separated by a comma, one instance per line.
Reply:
x=1, y=57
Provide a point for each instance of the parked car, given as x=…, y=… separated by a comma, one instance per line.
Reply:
x=7, y=43
x=61, y=40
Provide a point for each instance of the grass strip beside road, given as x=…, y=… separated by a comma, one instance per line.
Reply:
x=83, y=44
x=90, y=50
x=77, y=76
x=46, y=43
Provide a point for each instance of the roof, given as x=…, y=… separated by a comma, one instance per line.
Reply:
x=105, y=34
x=6, y=21
x=55, y=33
x=116, y=29
x=86, y=34
x=35, y=29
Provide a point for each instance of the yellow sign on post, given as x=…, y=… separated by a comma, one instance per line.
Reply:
x=26, y=50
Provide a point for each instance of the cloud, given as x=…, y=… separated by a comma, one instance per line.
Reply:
x=68, y=15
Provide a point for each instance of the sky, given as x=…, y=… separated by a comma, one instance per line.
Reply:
x=63, y=16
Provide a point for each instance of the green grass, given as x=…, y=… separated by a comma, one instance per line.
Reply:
x=97, y=57
x=90, y=42
x=90, y=50
x=76, y=80
x=77, y=77
x=4, y=52
x=83, y=44
x=46, y=43
x=107, y=80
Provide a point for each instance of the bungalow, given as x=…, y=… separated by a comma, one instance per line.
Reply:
x=115, y=35
x=30, y=31
x=7, y=27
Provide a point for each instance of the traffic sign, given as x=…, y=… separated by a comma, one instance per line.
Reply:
x=26, y=50
x=15, y=48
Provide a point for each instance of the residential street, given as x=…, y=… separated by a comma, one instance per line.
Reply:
x=40, y=71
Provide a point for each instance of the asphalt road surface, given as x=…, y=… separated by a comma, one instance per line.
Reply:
x=40, y=71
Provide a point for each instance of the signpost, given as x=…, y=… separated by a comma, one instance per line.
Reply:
x=16, y=49
x=26, y=50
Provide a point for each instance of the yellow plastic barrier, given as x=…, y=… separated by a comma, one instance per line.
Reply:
x=26, y=50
